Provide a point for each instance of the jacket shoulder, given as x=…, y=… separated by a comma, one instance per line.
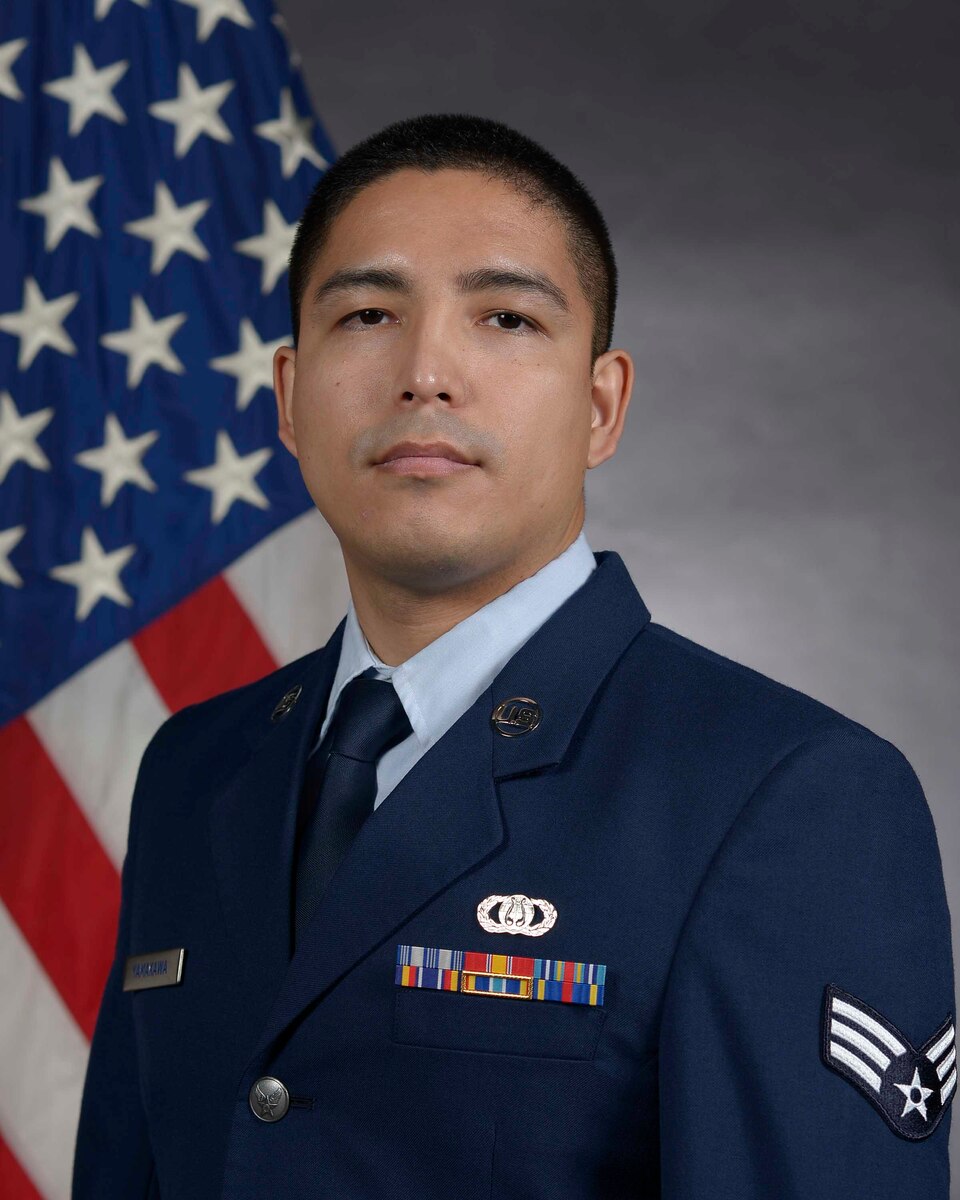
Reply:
x=705, y=685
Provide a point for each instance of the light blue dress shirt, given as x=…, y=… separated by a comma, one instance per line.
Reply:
x=439, y=683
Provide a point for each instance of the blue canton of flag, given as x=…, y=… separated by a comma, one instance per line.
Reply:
x=155, y=157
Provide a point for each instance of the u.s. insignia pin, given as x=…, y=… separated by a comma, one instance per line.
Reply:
x=515, y=914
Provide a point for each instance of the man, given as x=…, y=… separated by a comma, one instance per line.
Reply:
x=507, y=891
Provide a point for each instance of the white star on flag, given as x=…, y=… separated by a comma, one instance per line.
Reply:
x=8, y=539
x=293, y=55
x=18, y=436
x=65, y=204
x=231, y=477
x=103, y=7
x=210, y=12
x=9, y=53
x=194, y=111
x=251, y=365
x=291, y=133
x=170, y=228
x=95, y=574
x=908, y=1089
x=89, y=92
x=118, y=460
x=146, y=341
x=272, y=246
x=40, y=323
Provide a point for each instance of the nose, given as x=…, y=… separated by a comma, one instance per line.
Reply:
x=430, y=368
x=425, y=392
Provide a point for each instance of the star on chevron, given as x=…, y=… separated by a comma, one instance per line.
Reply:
x=252, y=365
x=18, y=436
x=40, y=323
x=194, y=111
x=65, y=204
x=231, y=477
x=170, y=228
x=9, y=53
x=118, y=460
x=103, y=7
x=146, y=341
x=8, y=539
x=908, y=1089
x=272, y=246
x=210, y=12
x=95, y=574
x=291, y=133
x=89, y=91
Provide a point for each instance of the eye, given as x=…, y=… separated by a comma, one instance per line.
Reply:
x=508, y=316
x=368, y=317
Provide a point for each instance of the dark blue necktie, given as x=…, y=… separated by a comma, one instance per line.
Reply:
x=340, y=784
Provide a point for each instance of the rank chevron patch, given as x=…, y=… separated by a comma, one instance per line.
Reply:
x=909, y=1088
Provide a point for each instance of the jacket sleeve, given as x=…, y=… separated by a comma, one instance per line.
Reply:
x=112, y=1155
x=827, y=887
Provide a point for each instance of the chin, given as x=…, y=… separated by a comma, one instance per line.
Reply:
x=428, y=560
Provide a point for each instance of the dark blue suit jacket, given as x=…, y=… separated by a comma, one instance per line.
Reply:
x=726, y=845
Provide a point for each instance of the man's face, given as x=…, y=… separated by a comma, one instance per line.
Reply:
x=411, y=331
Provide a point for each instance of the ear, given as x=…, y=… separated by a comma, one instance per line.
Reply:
x=610, y=395
x=284, y=371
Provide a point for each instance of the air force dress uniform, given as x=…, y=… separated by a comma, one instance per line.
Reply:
x=640, y=922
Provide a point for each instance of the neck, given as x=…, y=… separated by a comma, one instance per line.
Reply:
x=398, y=622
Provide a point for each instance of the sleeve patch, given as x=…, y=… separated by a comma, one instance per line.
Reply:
x=909, y=1088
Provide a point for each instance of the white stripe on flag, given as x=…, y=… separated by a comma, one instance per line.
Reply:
x=44, y=1058
x=842, y=1054
x=838, y=1029
x=948, y=1086
x=940, y=1045
x=95, y=727
x=868, y=1023
x=293, y=586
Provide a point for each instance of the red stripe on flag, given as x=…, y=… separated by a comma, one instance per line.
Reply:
x=14, y=1184
x=55, y=878
x=204, y=645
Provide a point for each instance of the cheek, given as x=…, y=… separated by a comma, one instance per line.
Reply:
x=325, y=418
x=548, y=433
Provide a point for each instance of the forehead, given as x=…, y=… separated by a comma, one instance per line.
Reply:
x=441, y=220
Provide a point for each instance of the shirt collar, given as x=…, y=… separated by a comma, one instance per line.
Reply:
x=440, y=682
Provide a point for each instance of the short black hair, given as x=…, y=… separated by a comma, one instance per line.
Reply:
x=434, y=141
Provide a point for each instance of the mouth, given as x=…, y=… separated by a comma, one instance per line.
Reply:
x=424, y=458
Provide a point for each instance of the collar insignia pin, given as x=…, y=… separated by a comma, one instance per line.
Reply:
x=516, y=716
x=286, y=702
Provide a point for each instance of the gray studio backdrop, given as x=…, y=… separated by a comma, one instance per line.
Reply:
x=780, y=183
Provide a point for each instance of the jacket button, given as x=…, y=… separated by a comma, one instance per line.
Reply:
x=269, y=1099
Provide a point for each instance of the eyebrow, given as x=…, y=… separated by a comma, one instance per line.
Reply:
x=481, y=279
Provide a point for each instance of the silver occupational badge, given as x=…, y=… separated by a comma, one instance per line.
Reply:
x=515, y=914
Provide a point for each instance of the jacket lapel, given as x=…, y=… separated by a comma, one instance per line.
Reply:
x=441, y=819
x=252, y=820
x=566, y=661
x=444, y=817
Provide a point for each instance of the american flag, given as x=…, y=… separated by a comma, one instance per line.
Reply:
x=157, y=543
